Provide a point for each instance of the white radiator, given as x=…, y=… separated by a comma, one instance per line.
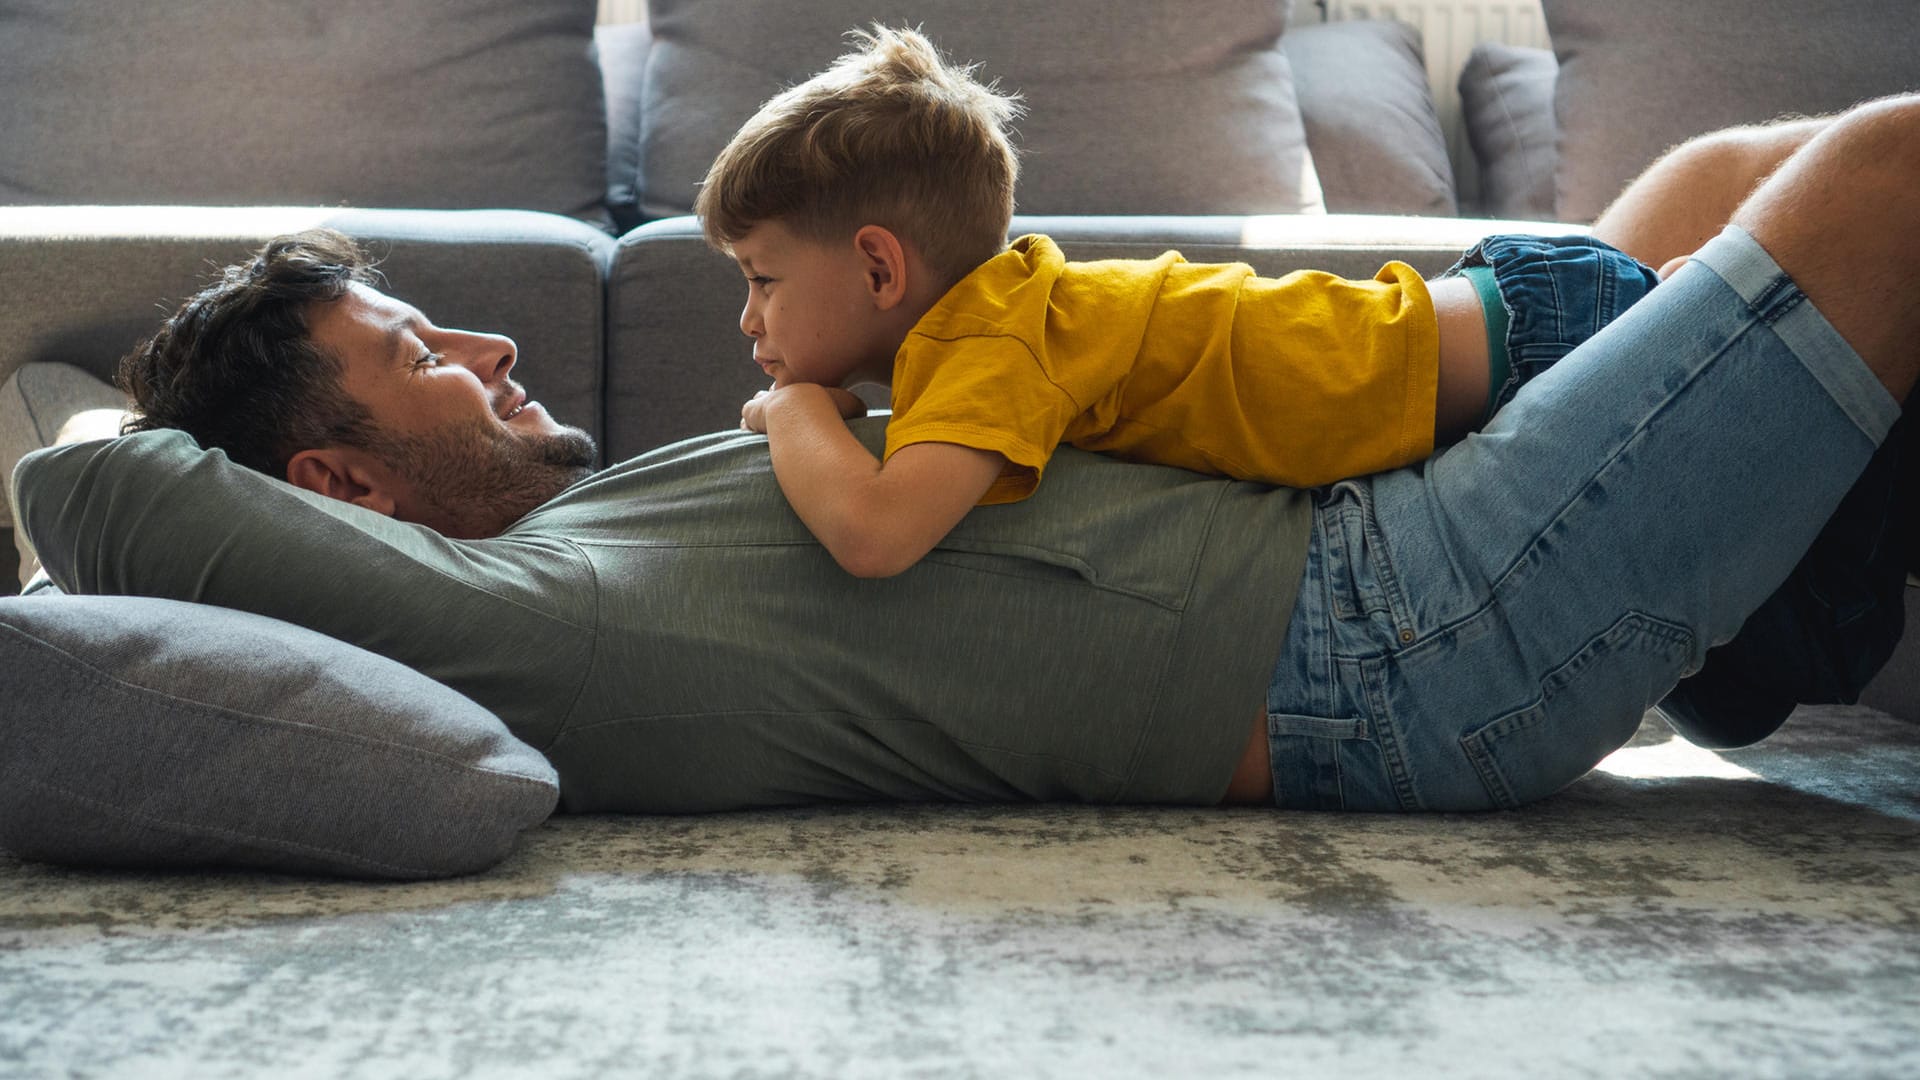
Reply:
x=623, y=11
x=1451, y=28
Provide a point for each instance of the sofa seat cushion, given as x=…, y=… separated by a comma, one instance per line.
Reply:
x=677, y=365
x=153, y=733
x=1131, y=108
x=452, y=104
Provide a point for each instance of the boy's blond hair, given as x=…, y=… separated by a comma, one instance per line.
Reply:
x=890, y=135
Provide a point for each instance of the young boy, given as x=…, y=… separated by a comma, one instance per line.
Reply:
x=868, y=208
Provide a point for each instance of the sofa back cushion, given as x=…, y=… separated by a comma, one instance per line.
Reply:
x=1132, y=107
x=452, y=104
x=1638, y=76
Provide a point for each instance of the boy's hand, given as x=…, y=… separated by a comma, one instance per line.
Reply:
x=753, y=415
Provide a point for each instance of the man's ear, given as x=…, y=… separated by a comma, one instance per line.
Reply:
x=344, y=474
x=886, y=264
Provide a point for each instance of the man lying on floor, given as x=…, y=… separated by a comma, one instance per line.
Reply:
x=1473, y=632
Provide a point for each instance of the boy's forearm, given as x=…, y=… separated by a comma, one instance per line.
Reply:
x=874, y=520
x=816, y=458
x=826, y=475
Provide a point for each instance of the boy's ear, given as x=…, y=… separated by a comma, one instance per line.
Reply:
x=344, y=474
x=886, y=264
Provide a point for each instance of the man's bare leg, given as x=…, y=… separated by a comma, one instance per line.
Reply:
x=1690, y=194
x=1842, y=218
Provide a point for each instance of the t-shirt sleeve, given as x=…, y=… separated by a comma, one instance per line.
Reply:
x=155, y=515
x=986, y=391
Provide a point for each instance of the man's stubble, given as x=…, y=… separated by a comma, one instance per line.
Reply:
x=475, y=479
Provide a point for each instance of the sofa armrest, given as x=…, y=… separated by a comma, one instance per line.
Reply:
x=82, y=285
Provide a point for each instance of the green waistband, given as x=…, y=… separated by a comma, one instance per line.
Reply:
x=1495, y=311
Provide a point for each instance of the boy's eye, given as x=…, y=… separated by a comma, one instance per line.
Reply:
x=761, y=281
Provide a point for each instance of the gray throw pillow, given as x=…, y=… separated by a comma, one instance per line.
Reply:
x=1370, y=120
x=450, y=104
x=1639, y=76
x=1132, y=108
x=151, y=733
x=1506, y=96
x=623, y=49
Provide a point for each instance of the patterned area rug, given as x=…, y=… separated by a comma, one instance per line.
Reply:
x=1676, y=914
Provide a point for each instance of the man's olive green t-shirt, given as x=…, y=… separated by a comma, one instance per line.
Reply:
x=672, y=638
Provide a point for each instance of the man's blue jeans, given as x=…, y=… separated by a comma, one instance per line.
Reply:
x=1481, y=629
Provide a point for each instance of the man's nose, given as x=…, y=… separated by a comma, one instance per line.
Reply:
x=489, y=356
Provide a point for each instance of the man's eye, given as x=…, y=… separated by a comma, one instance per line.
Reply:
x=429, y=360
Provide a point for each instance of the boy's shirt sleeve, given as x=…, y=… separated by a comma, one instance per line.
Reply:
x=981, y=368
x=987, y=391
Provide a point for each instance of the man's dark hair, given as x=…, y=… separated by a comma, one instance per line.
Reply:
x=235, y=368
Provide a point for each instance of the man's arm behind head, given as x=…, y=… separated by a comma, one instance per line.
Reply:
x=151, y=514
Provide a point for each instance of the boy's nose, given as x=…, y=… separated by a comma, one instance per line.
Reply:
x=750, y=324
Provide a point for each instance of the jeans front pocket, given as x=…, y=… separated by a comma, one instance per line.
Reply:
x=1361, y=585
x=1589, y=706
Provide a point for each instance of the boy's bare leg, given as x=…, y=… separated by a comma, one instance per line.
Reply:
x=1691, y=192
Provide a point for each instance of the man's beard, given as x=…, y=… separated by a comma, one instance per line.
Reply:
x=474, y=480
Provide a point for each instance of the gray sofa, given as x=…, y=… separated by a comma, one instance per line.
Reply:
x=518, y=169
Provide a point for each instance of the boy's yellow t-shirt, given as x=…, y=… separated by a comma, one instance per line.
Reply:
x=1299, y=380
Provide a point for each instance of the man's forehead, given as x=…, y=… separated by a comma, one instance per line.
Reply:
x=364, y=327
x=367, y=304
x=364, y=311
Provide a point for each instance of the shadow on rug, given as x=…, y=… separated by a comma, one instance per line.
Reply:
x=1675, y=913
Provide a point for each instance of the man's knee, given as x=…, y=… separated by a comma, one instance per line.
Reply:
x=1746, y=155
x=1843, y=218
x=1883, y=134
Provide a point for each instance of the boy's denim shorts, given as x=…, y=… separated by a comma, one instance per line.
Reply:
x=1479, y=630
x=1558, y=291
